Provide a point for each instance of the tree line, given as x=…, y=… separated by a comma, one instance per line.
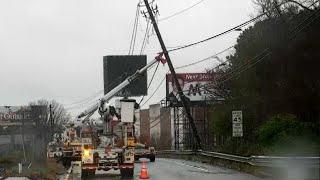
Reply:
x=274, y=78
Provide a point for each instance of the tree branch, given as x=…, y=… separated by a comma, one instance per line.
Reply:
x=301, y=5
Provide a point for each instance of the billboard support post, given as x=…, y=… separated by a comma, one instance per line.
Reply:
x=181, y=94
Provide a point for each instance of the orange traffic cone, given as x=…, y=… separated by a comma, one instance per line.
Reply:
x=144, y=171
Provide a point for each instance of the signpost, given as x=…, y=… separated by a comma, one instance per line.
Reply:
x=237, y=130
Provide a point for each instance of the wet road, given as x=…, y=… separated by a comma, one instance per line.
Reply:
x=172, y=169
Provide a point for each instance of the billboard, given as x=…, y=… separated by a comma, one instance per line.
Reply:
x=194, y=86
x=117, y=68
x=18, y=115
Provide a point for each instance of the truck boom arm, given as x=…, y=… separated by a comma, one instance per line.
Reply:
x=118, y=88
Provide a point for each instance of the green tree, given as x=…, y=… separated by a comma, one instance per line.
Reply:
x=275, y=71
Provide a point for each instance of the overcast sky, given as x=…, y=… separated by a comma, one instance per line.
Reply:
x=53, y=49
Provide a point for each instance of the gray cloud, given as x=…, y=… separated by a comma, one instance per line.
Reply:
x=53, y=48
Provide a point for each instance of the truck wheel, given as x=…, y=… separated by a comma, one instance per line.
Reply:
x=126, y=173
x=152, y=158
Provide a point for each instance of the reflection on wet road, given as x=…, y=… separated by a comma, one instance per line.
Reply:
x=172, y=169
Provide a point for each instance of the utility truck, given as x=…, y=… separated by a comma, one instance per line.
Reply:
x=114, y=146
x=144, y=151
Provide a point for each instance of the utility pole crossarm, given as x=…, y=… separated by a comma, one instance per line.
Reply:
x=166, y=54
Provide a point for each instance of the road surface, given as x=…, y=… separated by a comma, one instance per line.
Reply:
x=173, y=169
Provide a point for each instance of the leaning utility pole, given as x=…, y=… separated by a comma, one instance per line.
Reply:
x=182, y=96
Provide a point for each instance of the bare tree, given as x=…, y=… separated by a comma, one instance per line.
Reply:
x=59, y=113
x=274, y=8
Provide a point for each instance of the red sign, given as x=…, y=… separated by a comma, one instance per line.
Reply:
x=194, y=85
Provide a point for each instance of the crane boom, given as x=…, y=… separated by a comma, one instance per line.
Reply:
x=118, y=88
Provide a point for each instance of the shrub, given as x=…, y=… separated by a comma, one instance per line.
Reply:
x=284, y=134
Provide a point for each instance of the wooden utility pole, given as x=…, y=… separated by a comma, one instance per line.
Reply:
x=181, y=94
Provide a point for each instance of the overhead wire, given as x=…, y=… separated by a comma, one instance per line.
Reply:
x=135, y=35
x=144, y=42
x=90, y=101
x=218, y=35
x=181, y=11
x=185, y=46
x=224, y=51
x=134, y=31
x=91, y=98
x=154, y=73
x=227, y=31
x=151, y=123
x=205, y=59
x=266, y=52
x=157, y=88
x=255, y=57
x=85, y=99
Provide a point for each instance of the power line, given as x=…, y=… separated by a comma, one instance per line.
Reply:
x=154, y=91
x=208, y=58
x=154, y=73
x=88, y=99
x=180, y=12
x=205, y=59
x=225, y=32
x=218, y=35
x=155, y=125
x=266, y=52
x=85, y=99
x=135, y=35
x=239, y=69
x=134, y=31
x=179, y=116
x=144, y=42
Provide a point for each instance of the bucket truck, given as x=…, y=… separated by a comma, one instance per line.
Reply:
x=114, y=148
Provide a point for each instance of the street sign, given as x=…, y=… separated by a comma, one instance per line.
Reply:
x=237, y=116
x=237, y=130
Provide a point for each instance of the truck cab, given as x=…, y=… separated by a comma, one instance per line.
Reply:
x=144, y=151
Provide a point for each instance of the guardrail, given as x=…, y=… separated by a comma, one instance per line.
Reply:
x=265, y=161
